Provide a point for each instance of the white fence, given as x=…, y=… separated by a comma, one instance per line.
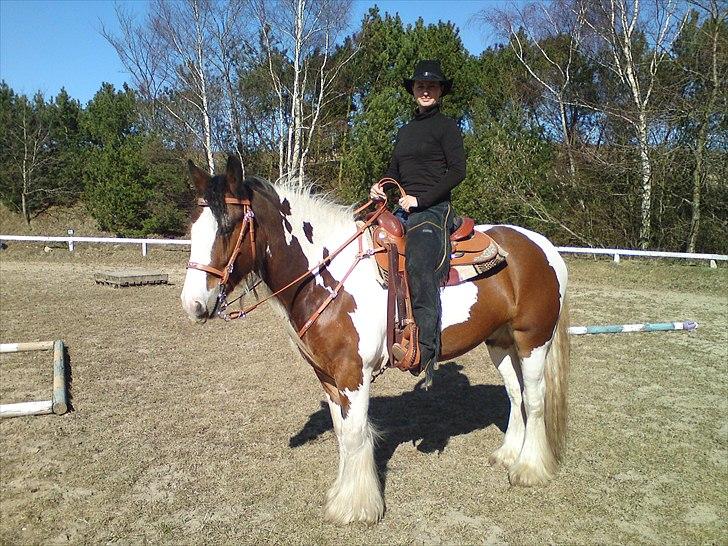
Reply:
x=72, y=240
x=616, y=253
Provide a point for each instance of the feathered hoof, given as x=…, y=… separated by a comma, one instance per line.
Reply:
x=503, y=457
x=529, y=475
x=343, y=509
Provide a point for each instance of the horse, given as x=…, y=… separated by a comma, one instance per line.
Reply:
x=313, y=257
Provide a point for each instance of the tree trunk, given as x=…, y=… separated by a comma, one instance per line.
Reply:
x=567, y=138
x=701, y=141
x=646, y=187
x=24, y=207
x=26, y=173
x=697, y=187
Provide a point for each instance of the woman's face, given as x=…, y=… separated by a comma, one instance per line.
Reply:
x=427, y=93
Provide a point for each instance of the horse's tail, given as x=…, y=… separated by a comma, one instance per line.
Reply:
x=557, y=378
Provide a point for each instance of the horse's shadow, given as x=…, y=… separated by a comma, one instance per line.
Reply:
x=451, y=407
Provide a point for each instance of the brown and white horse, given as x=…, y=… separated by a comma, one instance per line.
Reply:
x=519, y=311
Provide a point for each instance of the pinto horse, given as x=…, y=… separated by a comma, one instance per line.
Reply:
x=296, y=244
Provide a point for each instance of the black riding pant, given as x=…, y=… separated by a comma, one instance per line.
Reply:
x=428, y=263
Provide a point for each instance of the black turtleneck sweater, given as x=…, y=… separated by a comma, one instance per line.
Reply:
x=428, y=158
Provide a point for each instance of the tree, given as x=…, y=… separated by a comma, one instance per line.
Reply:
x=181, y=61
x=134, y=185
x=302, y=34
x=701, y=59
x=27, y=152
x=630, y=43
x=544, y=37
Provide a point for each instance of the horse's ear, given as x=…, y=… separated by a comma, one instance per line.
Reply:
x=234, y=173
x=200, y=178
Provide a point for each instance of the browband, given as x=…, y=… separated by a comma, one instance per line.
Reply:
x=229, y=200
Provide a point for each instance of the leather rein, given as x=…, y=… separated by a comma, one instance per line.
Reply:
x=249, y=227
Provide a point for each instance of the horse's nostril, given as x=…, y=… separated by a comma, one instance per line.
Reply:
x=199, y=310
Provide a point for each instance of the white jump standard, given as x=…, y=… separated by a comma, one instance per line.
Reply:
x=58, y=403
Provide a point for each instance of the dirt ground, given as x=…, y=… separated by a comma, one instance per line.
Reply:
x=216, y=434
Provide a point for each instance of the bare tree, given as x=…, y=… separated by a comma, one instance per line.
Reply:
x=304, y=32
x=27, y=154
x=230, y=29
x=544, y=37
x=179, y=58
x=613, y=36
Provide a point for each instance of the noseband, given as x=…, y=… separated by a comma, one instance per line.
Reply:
x=224, y=274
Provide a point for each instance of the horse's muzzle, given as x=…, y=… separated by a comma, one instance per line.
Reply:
x=200, y=311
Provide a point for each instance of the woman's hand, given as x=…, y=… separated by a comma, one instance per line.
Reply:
x=377, y=192
x=408, y=202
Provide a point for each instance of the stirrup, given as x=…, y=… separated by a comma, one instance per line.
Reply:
x=406, y=353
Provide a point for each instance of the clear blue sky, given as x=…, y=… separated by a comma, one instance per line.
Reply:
x=49, y=44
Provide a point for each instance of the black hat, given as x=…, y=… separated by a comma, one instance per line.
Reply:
x=428, y=71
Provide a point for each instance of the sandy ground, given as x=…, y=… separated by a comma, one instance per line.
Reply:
x=216, y=434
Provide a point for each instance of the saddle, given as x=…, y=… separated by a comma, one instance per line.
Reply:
x=473, y=253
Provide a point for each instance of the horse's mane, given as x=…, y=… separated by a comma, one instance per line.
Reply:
x=316, y=208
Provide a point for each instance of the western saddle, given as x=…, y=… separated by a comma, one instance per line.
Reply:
x=470, y=248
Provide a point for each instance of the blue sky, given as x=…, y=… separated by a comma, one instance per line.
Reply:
x=49, y=44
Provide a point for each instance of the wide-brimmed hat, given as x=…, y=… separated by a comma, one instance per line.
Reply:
x=428, y=71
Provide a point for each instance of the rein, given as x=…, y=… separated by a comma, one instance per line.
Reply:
x=249, y=226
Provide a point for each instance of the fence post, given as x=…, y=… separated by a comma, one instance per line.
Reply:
x=144, y=249
x=616, y=258
x=70, y=241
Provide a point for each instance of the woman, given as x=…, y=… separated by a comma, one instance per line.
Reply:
x=428, y=161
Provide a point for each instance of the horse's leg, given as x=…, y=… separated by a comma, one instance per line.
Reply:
x=356, y=494
x=509, y=366
x=536, y=464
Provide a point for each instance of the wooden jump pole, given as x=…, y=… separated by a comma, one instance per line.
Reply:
x=58, y=404
x=687, y=325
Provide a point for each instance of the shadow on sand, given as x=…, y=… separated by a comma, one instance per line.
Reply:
x=427, y=419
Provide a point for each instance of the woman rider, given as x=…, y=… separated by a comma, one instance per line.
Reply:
x=428, y=161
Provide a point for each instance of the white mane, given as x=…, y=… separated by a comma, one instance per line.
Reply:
x=317, y=209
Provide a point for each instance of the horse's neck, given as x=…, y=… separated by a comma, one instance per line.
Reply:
x=301, y=233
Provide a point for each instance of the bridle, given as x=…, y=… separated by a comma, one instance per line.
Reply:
x=224, y=274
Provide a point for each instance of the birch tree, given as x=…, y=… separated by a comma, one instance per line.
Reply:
x=615, y=35
x=176, y=62
x=305, y=33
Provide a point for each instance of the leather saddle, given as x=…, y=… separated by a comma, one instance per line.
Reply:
x=469, y=248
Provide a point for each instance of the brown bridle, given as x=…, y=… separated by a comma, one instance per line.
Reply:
x=224, y=274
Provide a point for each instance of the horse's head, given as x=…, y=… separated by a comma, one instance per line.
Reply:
x=223, y=239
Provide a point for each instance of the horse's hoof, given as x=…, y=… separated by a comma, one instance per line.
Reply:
x=528, y=475
x=342, y=509
x=503, y=457
x=368, y=516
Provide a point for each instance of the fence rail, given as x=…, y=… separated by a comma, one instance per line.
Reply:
x=615, y=252
x=72, y=240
